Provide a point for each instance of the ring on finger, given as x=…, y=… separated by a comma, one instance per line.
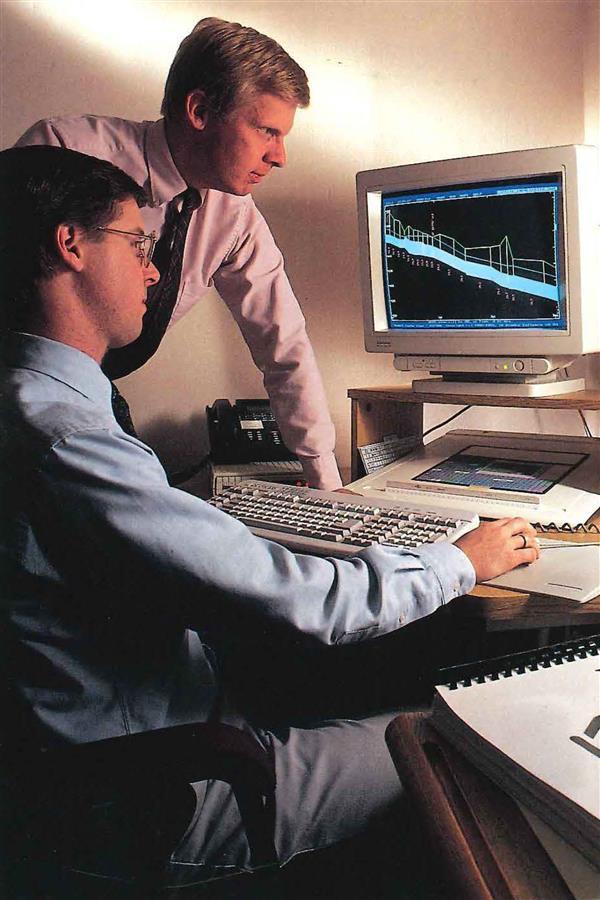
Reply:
x=524, y=539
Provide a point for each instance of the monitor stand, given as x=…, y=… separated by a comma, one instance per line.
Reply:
x=499, y=386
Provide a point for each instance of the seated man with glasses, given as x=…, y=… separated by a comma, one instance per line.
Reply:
x=114, y=581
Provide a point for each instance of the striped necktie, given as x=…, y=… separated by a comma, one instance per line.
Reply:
x=168, y=258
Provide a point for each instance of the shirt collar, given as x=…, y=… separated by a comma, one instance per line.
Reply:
x=66, y=364
x=164, y=178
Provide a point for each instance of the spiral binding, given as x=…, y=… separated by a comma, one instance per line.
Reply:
x=519, y=663
x=565, y=528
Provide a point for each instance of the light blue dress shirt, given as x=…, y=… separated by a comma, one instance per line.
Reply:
x=112, y=576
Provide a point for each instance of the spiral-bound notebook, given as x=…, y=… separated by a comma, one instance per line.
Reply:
x=531, y=721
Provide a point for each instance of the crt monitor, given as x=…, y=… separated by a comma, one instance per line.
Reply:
x=484, y=269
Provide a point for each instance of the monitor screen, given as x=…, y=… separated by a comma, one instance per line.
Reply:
x=491, y=258
x=483, y=255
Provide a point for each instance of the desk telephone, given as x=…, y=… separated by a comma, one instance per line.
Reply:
x=245, y=432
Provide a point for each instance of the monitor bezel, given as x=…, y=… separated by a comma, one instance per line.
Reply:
x=578, y=166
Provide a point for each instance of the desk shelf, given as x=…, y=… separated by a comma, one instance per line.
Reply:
x=404, y=393
x=383, y=410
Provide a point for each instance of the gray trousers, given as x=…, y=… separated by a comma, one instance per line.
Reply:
x=333, y=781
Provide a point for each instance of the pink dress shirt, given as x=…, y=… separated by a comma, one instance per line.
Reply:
x=228, y=245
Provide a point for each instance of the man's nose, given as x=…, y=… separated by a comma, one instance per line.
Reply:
x=276, y=154
x=151, y=274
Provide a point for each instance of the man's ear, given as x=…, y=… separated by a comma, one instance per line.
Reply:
x=68, y=245
x=197, y=109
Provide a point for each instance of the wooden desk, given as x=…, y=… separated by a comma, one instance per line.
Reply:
x=398, y=409
x=478, y=834
x=502, y=609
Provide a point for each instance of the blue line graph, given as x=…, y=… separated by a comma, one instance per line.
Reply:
x=493, y=262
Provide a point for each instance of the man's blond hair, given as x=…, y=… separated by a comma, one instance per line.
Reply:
x=231, y=63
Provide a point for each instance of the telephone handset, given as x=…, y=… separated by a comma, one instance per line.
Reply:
x=244, y=432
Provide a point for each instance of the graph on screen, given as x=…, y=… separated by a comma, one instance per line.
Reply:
x=481, y=255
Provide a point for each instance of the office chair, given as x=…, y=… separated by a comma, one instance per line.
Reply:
x=51, y=788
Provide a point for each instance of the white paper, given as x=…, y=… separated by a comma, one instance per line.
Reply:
x=547, y=721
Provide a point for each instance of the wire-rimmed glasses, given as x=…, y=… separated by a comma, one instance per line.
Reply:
x=144, y=243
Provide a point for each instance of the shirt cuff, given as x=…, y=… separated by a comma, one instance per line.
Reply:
x=321, y=472
x=452, y=567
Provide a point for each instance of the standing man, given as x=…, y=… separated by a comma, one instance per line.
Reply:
x=229, y=103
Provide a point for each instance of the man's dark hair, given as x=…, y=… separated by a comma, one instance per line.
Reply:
x=41, y=188
x=231, y=63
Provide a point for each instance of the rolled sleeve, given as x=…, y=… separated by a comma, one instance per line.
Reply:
x=253, y=284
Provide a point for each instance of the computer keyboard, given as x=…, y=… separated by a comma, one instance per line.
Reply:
x=390, y=449
x=327, y=523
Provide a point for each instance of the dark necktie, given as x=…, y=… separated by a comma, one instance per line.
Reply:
x=168, y=258
x=121, y=411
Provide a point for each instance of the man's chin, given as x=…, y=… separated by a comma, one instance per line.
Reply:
x=123, y=341
x=239, y=191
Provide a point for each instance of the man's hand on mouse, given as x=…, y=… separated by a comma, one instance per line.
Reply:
x=499, y=546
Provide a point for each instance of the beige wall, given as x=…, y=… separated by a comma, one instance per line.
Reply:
x=392, y=82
